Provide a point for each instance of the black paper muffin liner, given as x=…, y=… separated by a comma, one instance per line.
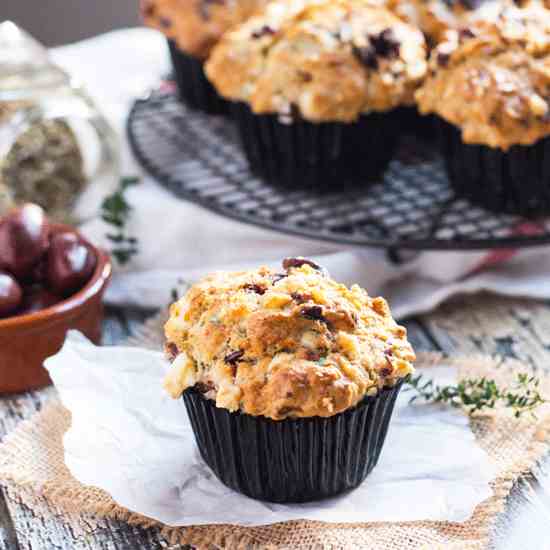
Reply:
x=320, y=156
x=292, y=460
x=516, y=181
x=413, y=123
x=193, y=86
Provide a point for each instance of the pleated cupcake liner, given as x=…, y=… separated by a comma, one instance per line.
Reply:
x=413, y=123
x=193, y=86
x=291, y=460
x=516, y=181
x=317, y=156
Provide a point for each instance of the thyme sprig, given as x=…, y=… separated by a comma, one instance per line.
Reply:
x=479, y=394
x=177, y=291
x=174, y=295
x=115, y=210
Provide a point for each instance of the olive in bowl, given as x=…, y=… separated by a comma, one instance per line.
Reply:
x=11, y=295
x=51, y=280
x=23, y=240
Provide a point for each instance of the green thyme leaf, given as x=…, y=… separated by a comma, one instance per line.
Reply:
x=128, y=181
x=479, y=394
x=175, y=295
x=115, y=210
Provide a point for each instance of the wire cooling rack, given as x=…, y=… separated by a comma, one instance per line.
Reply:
x=199, y=158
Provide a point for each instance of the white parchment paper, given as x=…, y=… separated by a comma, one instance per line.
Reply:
x=130, y=439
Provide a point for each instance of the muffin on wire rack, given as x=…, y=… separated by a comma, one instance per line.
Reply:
x=289, y=378
x=313, y=86
x=490, y=88
x=436, y=18
x=192, y=27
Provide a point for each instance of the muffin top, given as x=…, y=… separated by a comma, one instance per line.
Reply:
x=436, y=18
x=324, y=60
x=493, y=81
x=288, y=344
x=196, y=25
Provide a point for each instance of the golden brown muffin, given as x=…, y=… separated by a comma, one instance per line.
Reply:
x=493, y=81
x=289, y=344
x=331, y=60
x=196, y=25
x=435, y=18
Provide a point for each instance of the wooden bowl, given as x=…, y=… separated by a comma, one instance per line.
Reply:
x=26, y=340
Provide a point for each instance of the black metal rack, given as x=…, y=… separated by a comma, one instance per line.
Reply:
x=198, y=157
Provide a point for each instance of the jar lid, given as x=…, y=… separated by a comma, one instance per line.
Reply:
x=25, y=64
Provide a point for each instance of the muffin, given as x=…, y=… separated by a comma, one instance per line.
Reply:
x=192, y=27
x=436, y=18
x=489, y=87
x=289, y=378
x=313, y=85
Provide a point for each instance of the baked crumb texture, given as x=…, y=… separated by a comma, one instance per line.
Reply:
x=435, y=18
x=325, y=60
x=493, y=80
x=196, y=25
x=288, y=344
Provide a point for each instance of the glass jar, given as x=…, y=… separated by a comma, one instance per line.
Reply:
x=55, y=145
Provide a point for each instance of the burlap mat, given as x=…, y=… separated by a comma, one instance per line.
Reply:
x=31, y=465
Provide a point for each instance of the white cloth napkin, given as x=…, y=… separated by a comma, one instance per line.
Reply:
x=130, y=439
x=178, y=239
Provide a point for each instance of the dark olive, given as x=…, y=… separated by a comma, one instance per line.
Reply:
x=38, y=273
x=289, y=263
x=70, y=264
x=10, y=294
x=36, y=299
x=23, y=240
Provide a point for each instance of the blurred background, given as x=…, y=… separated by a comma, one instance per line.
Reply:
x=55, y=22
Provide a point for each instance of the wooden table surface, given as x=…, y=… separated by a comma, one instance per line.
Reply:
x=481, y=323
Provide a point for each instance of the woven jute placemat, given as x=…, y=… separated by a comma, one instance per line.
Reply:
x=32, y=467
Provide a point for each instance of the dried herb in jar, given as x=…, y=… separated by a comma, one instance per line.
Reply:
x=43, y=166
